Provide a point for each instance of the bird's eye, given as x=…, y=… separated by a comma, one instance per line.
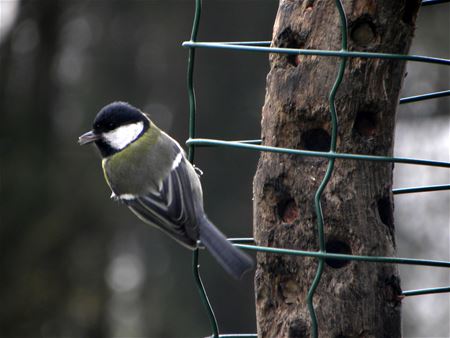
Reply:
x=111, y=126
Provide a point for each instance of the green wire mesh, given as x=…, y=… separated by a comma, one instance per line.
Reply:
x=332, y=155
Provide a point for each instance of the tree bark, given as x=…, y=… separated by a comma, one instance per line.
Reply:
x=353, y=299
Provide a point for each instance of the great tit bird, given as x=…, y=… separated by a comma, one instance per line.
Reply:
x=147, y=170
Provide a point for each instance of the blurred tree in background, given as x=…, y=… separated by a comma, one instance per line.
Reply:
x=74, y=264
x=53, y=241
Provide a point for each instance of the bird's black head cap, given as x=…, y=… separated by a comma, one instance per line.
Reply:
x=117, y=114
x=112, y=116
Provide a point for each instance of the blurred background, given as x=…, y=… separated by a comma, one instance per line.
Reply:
x=74, y=264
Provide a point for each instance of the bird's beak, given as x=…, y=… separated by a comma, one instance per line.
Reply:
x=88, y=137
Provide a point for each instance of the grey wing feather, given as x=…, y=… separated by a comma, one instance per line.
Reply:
x=172, y=208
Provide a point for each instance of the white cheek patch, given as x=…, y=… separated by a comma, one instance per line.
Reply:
x=122, y=136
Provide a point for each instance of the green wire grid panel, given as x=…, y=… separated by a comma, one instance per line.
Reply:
x=332, y=155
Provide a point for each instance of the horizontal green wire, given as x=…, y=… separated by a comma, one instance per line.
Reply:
x=295, y=51
x=421, y=189
x=397, y=191
x=255, y=141
x=433, y=2
x=330, y=255
x=255, y=147
x=425, y=97
x=248, y=243
x=428, y=291
x=250, y=240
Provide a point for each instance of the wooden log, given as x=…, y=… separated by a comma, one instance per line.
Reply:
x=353, y=299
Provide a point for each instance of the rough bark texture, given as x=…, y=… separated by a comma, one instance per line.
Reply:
x=353, y=299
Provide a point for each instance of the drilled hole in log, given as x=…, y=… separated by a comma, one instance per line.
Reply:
x=309, y=5
x=366, y=123
x=298, y=329
x=340, y=247
x=385, y=211
x=290, y=39
x=287, y=210
x=316, y=139
x=363, y=32
x=293, y=59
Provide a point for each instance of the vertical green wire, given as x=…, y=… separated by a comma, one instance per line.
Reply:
x=191, y=153
x=190, y=78
x=204, y=296
x=328, y=173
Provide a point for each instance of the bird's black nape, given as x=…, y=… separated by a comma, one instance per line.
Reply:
x=112, y=116
x=117, y=114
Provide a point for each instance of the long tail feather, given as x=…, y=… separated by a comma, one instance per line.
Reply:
x=233, y=260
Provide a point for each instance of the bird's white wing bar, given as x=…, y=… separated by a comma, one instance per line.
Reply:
x=127, y=196
x=177, y=160
x=178, y=150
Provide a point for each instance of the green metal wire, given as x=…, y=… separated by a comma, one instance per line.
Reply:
x=191, y=154
x=329, y=171
x=293, y=51
x=425, y=97
x=251, y=241
x=310, y=153
x=332, y=155
x=248, y=243
x=421, y=189
x=190, y=78
x=426, y=291
x=344, y=257
x=434, y=2
x=373, y=259
x=203, y=295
